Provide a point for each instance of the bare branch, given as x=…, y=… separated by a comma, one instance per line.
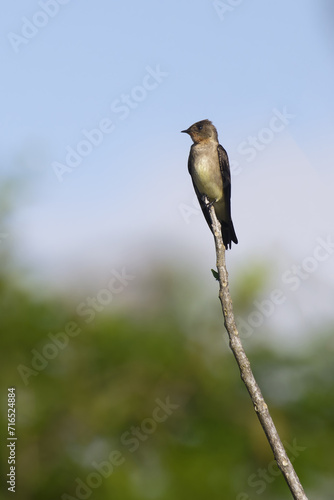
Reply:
x=246, y=373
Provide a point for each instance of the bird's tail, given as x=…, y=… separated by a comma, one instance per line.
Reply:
x=228, y=234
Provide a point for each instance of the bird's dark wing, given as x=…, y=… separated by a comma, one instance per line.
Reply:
x=204, y=208
x=228, y=231
x=226, y=176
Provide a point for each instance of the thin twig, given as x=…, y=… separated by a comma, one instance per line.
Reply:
x=246, y=373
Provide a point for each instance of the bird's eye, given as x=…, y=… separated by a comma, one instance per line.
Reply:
x=199, y=127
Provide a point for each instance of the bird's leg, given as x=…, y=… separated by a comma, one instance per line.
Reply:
x=206, y=201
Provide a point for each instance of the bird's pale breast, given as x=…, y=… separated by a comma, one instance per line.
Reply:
x=206, y=171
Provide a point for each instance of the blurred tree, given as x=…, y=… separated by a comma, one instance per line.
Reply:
x=147, y=404
x=100, y=393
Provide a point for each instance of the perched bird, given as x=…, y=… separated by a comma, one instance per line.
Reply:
x=209, y=168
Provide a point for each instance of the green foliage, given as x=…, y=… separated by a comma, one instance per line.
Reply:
x=215, y=274
x=101, y=399
x=249, y=282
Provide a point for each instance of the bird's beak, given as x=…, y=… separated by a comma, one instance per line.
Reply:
x=185, y=131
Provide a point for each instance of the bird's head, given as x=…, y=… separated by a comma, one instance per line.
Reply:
x=202, y=131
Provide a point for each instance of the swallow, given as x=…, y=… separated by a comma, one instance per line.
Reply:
x=209, y=168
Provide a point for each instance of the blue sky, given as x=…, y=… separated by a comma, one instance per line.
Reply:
x=130, y=200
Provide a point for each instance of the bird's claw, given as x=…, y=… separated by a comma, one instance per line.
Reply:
x=207, y=203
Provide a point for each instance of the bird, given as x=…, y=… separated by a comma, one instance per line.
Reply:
x=209, y=168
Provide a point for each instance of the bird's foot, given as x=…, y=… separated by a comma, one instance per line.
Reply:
x=207, y=203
